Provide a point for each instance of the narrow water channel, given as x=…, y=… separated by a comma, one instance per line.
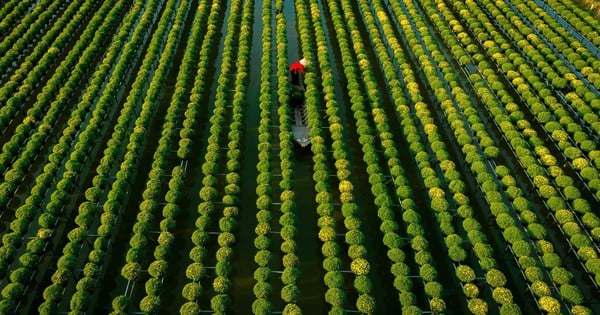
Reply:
x=242, y=263
x=309, y=248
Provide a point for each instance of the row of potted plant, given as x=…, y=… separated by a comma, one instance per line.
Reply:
x=214, y=160
x=27, y=29
x=140, y=240
x=332, y=263
x=18, y=90
x=579, y=162
x=465, y=273
x=581, y=19
x=54, y=208
x=489, y=100
x=159, y=57
x=581, y=58
x=220, y=303
x=554, y=107
x=19, y=152
x=371, y=103
x=521, y=247
x=548, y=172
x=196, y=270
x=556, y=50
x=262, y=242
x=13, y=11
x=290, y=276
x=66, y=181
x=355, y=234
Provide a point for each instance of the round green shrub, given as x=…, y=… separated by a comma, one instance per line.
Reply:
x=419, y=243
x=477, y=306
x=362, y=284
x=513, y=234
x=407, y=298
x=290, y=293
x=536, y=231
x=131, y=271
x=561, y=275
x=290, y=260
x=292, y=309
x=80, y=301
x=522, y=248
x=571, y=293
x=465, y=273
x=403, y=283
x=120, y=303
x=579, y=240
x=221, y=284
x=502, y=295
x=551, y=260
x=220, y=303
x=495, y=278
x=471, y=290
x=360, y=266
x=366, y=304
x=423, y=257
x=586, y=253
x=428, y=272
x=189, y=308
x=549, y=304
x=534, y=273
x=433, y=289
x=335, y=296
x=411, y=310
x=510, y=309
x=290, y=275
x=262, y=290
x=581, y=310
x=332, y=264
x=437, y=305
x=581, y=205
x=540, y=288
x=357, y=251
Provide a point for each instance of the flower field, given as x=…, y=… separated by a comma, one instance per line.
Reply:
x=148, y=164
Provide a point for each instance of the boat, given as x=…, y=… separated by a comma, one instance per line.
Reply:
x=300, y=129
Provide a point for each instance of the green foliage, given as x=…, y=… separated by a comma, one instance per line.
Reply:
x=290, y=293
x=365, y=304
x=221, y=284
x=131, y=271
x=150, y=304
x=335, y=296
x=360, y=267
x=158, y=268
x=362, y=284
x=549, y=304
x=465, y=273
x=189, y=308
x=192, y=291
x=457, y=253
x=495, y=278
x=477, y=306
x=433, y=289
x=510, y=309
x=502, y=295
x=571, y=293
x=540, y=289
x=561, y=275
x=471, y=290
